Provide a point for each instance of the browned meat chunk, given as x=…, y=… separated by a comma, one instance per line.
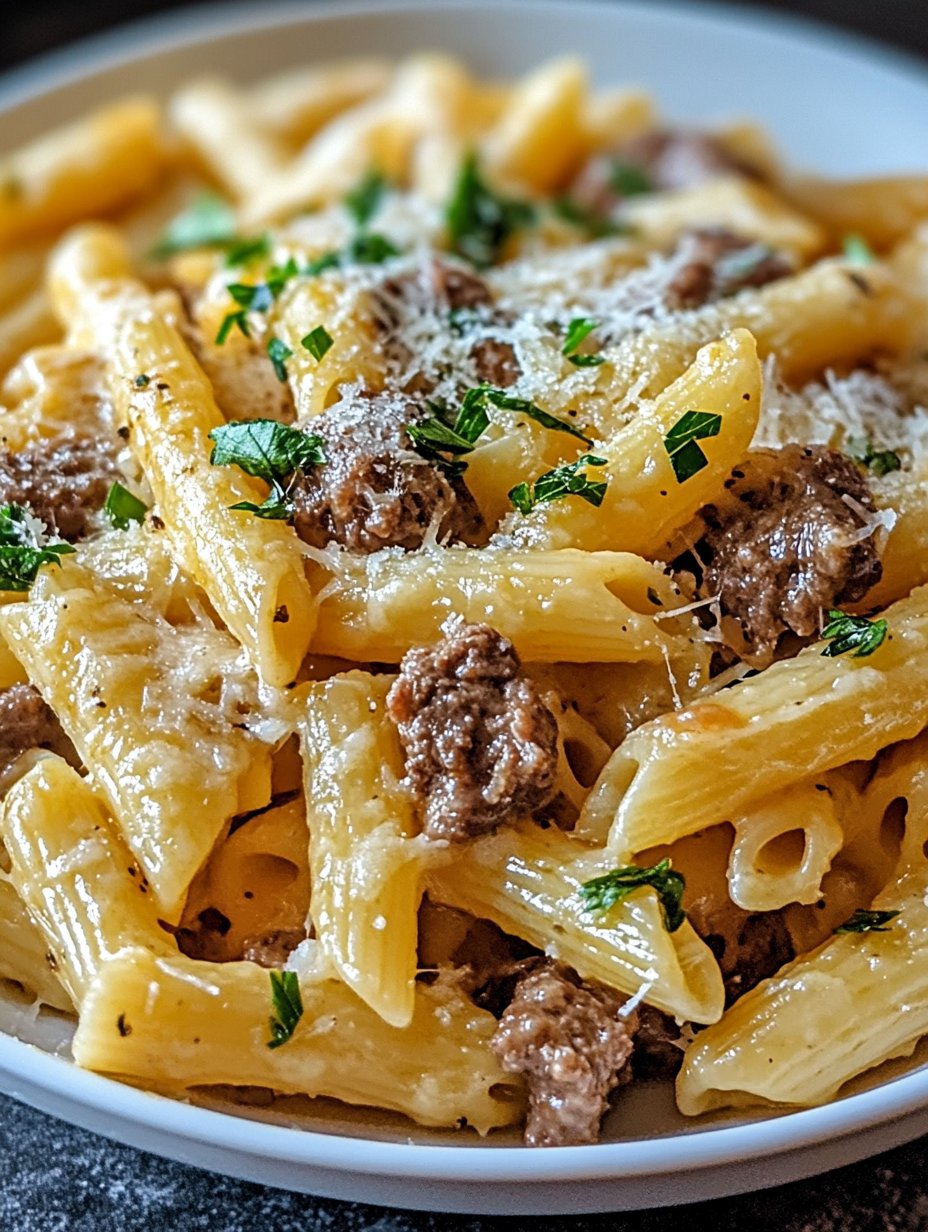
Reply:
x=749, y=946
x=205, y=937
x=27, y=723
x=658, y=1053
x=273, y=949
x=787, y=545
x=715, y=263
x=480, y=743
x=63, y=481
x=663, y=158
x=565, y=1036
x=453, y=292
x=375, y=491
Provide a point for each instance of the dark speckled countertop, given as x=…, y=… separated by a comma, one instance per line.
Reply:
x=54, y=1178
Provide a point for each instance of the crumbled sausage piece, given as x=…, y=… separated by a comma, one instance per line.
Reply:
x=205, y=937
x=658, y=1053
x=714, y=263
x=63, y=481
x=667, y=158
x=749, y=946
x=566, y=1037
x=273, y=949
x=480, y=743
x=27, y=723
x=374, y=491
x=787, y=546
x=450, y=289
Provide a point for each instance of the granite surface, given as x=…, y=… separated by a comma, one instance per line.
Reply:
x=55, y=1178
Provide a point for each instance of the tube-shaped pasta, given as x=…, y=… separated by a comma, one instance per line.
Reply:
x=186, y=1023
x=717, y=757
x=24, y=955
x=295, y=104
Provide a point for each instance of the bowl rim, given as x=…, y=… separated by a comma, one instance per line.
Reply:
x=29, y=1069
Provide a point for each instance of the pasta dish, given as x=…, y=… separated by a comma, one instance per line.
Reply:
x=461, y=607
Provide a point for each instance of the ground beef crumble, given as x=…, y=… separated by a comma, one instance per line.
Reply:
x=27, y=723
x=480, y=743
x=567, y=1038
x=748, y=946
x=715, y=263
x=274, y=948
x=786, y=546
x=374, y=491
x=64, y=481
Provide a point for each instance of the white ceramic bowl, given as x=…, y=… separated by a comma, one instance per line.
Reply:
x=832, y=103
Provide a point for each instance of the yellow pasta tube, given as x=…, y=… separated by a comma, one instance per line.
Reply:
x=78, y=882
x=883, y=210
x=796, y=1039
x=365, y=859
x=527, y=881
x=30, y=323
x=801, y=716
x=644, y=501
x=251, y=569
x=155, y=713
x=187, y=1024
x=579, y=607
x=24, y=955
x=98, y=163
x=296, y=104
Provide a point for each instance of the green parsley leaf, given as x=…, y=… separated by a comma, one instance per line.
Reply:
x=480, y=220
x=208, y=223
x=602, y=893
x=287, y=1006
x=629, y=180
x=566, y=480
x=867, y=922
x=363, y=202
x=142, y=381
x=857, y=251
x=255, y=297
x=685, y=455
x=278, y=353
x=122, y=507
x=879, y=461
x=270, y=451
x=318, y=342
x=232, y=320
x=368, y=248
x=505, y=402
x=240, y=252
x=857, y=633
x=577, y=330
x=584, y=219
x=24, y=548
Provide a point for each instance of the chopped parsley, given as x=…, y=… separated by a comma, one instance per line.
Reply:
x=481, y=220
x=363, y=202
x=686, y=457
x=318, y=342
x=857, y=633
x=255, y=297
x=270, y=451
x=857, y=251
x=596, y=226
x=24, y=548
x=879, y=461
x=567, y=480
x=867, y=922
x=208, y=223
x=522, y=406
x=629, y=180
x=367, y=248
x=577, y=331
x=122, y=507
x=602, y=893
x=142, y=381
x=240, y=252
x=287, y=1005
x=278, y=353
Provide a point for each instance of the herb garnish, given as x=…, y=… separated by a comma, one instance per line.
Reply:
x=566, y=480
x=270, y=451
x=857, y=633
x=142, y=381
x=604, y=892
x=240, y=252
x=24, y=548
x=122, y=507
x=287, y=1005
x=577, y=330
x=596, y=226
x=685, y=455
x=481, y=220
x=255, y=297
x=879, y=461
x=278, y=353
x=367, y=248
x=867, y=922
x=363, y=202
x=629, y=180
x=208, y=223
x=318, y=342
x=857, y=251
